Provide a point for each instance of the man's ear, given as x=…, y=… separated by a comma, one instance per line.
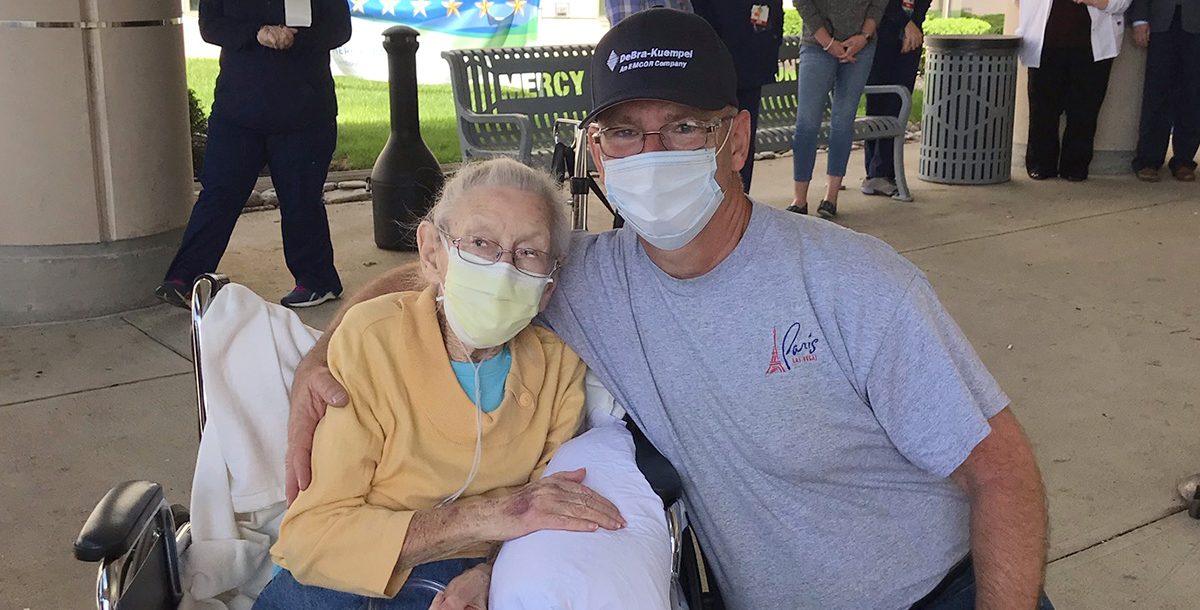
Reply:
x=594, y=149
x=739, y=140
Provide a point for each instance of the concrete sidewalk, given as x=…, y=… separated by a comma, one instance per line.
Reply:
x=1083, y=300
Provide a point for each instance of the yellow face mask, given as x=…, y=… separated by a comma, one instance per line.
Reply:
x=487, y=303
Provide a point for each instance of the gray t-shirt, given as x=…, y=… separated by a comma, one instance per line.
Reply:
x=814, y=396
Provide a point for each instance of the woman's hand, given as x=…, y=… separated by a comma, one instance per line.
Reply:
x=468, y=591
x=852, y=46
x=557, y=502
x=913, y=38
x=1098, y=4
x=836, y=49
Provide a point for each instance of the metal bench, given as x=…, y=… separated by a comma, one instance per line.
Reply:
x=508, y=100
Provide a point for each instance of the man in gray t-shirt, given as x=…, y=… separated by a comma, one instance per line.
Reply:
x=840, y=443
x=812, y=393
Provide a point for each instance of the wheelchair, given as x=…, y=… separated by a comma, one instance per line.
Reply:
x=139, y=539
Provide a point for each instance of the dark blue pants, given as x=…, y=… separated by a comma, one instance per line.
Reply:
x=957, y=592
x=891, y=67
x=299, y=163
x=1170, y=99
x=748, y=100
x=284, y=592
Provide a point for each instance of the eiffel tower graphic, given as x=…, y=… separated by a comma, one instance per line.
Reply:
x=776, y=364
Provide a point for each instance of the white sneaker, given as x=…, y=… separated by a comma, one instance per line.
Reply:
x=882, y=187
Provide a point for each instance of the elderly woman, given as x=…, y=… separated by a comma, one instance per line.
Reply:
x=456, y=406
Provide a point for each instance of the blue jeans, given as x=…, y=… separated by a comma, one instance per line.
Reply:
x=284, y=592
x=818, y=75
x=958, y=593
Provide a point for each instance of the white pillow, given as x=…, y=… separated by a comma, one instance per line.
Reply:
x=629, y=569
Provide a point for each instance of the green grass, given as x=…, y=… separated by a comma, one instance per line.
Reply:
x=918, y=98
x=362, y=115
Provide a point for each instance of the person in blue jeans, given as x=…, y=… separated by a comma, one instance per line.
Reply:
x=896, y=61
x=836, y=52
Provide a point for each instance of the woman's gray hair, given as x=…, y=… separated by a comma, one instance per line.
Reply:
x=503, y=172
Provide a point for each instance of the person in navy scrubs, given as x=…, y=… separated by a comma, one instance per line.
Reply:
x=274, y=105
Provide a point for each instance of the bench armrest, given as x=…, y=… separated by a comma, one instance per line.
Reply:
x=903, y=92
x=118, y=520
x=524, y=147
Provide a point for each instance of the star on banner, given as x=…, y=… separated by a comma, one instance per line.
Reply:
x=419, y=7
x=451, y=7
x=389, y=6
x=359, y=6
x=518, y=6
x=485, y=7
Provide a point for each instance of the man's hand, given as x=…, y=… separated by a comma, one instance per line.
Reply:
x=276, y=37
x=468, y=591
x=557, y=502
x=913, y=38
x=852, y=46
x=1141, y=35
x=313, y=389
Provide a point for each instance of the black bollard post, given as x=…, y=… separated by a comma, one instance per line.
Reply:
x=406, y=178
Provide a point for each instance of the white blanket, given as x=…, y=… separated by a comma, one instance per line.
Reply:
x=627, y=569
x=249, y=352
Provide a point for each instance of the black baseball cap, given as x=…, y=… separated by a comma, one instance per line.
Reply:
x=662, y=54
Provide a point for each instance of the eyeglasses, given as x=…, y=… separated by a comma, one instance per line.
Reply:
x=624, y=141
x=531, y=262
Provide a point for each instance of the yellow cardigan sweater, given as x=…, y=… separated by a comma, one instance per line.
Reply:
x=406, y=440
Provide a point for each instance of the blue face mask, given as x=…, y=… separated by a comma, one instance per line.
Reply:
x=667, y=196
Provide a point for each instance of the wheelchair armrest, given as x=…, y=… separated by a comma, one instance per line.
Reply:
x=657, y=469
x=118, y=520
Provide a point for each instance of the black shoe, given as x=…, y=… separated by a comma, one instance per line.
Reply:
x=1040, y=175
x=1074, y=177
x=798, y=209
x=827, y=209
x=174, y=292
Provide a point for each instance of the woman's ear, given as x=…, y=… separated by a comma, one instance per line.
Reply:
x=431, y=253
x=549, y=292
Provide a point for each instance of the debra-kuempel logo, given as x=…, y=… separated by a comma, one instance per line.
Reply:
x=796, y=348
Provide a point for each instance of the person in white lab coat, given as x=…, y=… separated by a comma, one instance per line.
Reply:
x=1068, y=46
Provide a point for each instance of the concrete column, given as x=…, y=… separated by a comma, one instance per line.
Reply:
x=1117, y=131
x=95, y=156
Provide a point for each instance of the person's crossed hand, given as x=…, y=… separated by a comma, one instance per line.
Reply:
x=276, y=37
x=850, y=48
